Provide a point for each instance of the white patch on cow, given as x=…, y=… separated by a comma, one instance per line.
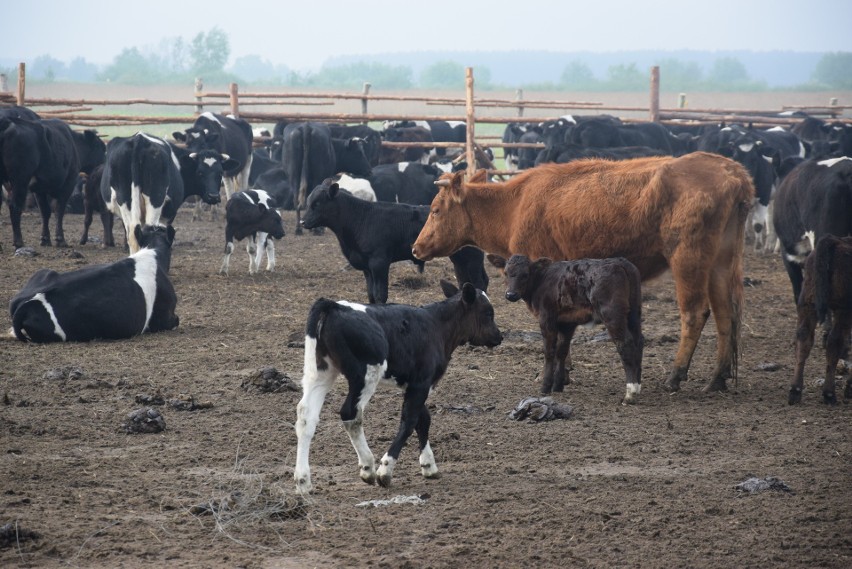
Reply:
x=174, y=158
x=428, y=468
x=777, y=129
x=802, y=248
x=454, y=124
x=353, y=305
x=213, y=118
x=726, y=129
x=270, y=254
x=251, y=248
x=767, y=158
x=832, y=161
x=226, y=260
x=385, y=470
x=802, y=150
x=153, y=139
x=194, y=135
x=633, y=390
x=358, y=187
x=260, y=131
x=210, y=161
x=423, y=124
x=402, y=166
x=445, y=167
x=264, y=198
x=57, y=329
x=758, y=218
x=569, y=118
x=746, y=146
x=145, y=275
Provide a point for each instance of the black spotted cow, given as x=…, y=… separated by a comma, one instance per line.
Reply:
x=251, y=214
x=826, y=299
x=113, y=301
x=565, y=294
x=366, y=344
x=373, y=235
x=813, y=200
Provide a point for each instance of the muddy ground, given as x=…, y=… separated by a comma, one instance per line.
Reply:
x=650, y=485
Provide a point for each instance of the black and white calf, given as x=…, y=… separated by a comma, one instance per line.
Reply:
x=251, y=214
x=367, y=344
x=112, y=301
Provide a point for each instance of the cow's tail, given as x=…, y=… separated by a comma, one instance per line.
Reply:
x=316, y=317
x=18, y=323
x=823, y=261
x=742, y=206
x=305, y=132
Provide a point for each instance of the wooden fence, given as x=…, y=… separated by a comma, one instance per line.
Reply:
x=243, y=105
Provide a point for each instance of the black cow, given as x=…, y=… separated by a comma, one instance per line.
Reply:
x=406, y=134
x=405, y=182
x=366, y=344
x=146, y=178
x=38, y=156
x=18, y=112
x=565, y=294
x=231, y=137
x=814, y=200
x=251, y=214
x=564, y=153
x=826, y=297
x=112, y=301
x=93, y=201
x=511, y=134
x=371, y=137
x=372, y=235
x=311, y=155
x=260, y=164
x=276, y=183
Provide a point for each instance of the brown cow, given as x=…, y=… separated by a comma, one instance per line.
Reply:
x=687, y=214
x=566, y=294
x=826, y=288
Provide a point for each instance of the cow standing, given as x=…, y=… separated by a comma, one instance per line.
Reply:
x=686, y=214
x=826, y=296
x=118, y=300
x=367, y=344
x=565, y=294
x=251, y=214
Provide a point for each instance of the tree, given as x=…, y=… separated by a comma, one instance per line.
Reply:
x=677, y=75
x=209, y=52
x=626, y=78
x=578, y=75
x=130, y=66
x=81, y=70
x=728, y=71
x=254, y=69
x=47, y=67
x=834, y=70
x=443, y=75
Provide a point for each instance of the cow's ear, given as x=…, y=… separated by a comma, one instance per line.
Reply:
x=496, y=260
x=137, y=232
x=179, y=136
x=468, y=293
x=449, y=288
x=170, y=234
x=541, y=264
x=455, y=188
x=479, y=177
x=90, y=135
x=333, y=189
x=230, y=164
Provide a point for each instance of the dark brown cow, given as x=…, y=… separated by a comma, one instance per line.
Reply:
x=686, y=214
x=566, y=294
x=826, y=291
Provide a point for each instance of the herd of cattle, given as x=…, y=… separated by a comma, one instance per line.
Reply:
x=603, y=206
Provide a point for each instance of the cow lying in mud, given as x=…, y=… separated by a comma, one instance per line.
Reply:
x=566, y=294
x=112, y=301
x=366, y=344
x=826, y=295
x=682, y=214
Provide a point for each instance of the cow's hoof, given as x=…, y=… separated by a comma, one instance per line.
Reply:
x=368, y=475
x=847, y=392
x=61, y=244
x=795, y=396
x=829, y=398
x=385, y=480
x=431, y=475
x=303, y=485
x=717, y=384
x=672, y=385
x=45, y=242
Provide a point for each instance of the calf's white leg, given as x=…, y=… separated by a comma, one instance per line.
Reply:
x=355, y=427
x=251, y=247
x=226, y=260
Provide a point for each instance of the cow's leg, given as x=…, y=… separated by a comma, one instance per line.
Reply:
x=298, y=230
x=691, y=276
x=316, y=383
x=108, y=220
x=368, y=277
x=836, y=341
x=270, y=254
x=262, y=238
x=380, y=270
x=230, y=186
x=804, y=343
x=412, y=406
x=229, y=248
x=564, y=333
x=362, y=386
x=243, y=176
x=88, y=215
x=549, y=338
x=794, y=271
x=251, y=247
x=629, y=345
x=428, y=467
x=16, y=202
x=44, y=208
x=196, y=211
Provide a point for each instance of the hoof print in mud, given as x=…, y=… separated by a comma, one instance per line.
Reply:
x=146, y=420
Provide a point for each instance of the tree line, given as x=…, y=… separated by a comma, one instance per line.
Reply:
x=176, y=60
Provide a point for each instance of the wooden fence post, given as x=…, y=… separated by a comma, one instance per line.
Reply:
x=235, y=101
x=22, y=83
x=681, y=101
x=471, y=120
x=655, y=94
x=4, y=83
x=199, y=87
x=364, y=100
x=519, y=95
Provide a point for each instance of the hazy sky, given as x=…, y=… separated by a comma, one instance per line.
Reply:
x=305, y=33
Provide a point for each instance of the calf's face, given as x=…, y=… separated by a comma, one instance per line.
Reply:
x=477, y=326
x=322, y=205
x=520, y=273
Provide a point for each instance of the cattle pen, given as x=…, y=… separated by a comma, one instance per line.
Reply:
x=370, y=107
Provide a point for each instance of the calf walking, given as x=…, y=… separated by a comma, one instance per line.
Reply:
x=366, y=344
x=566, y=294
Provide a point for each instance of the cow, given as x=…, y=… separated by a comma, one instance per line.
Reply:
x=813, y=200
x=405, y=182
x=18, y=112
x=113, y=301
x=275, y=183
x=372, y=235
x=229, y=136
x=38, y=156
x=146, y=178
x=391, y=155
x=512, y=134
x=366, y=344
x=564, y=153
x=251, y=214
x=685, y=214
x=565, y=294
x=358, y=187
x=372, y=139
x=826, y=297
x=93, y=201
x=310, y=155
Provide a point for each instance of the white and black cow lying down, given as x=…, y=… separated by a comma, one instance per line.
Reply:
x=366, y=344
x=112, y=301
x=251, y=214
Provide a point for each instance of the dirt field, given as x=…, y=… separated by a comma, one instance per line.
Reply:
x=650, y=485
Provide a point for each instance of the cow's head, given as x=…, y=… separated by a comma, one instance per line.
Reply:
x=205, y=169
x=323, y=205
x=159, y=238
x=448, y=227
x=522, y=274
x=270, y=220
x=354, y=158
x=196, y=138
x=476, y=324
